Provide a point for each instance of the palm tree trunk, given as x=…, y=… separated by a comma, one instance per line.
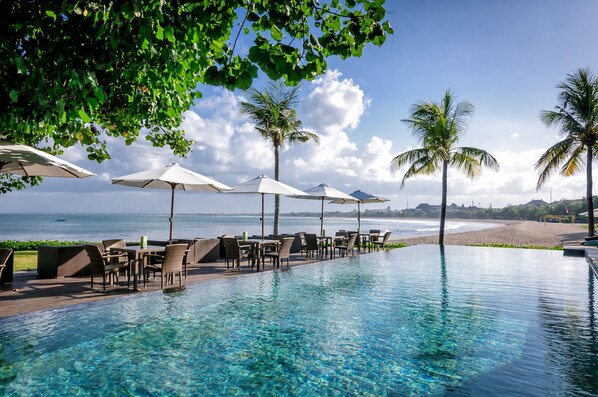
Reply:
x=443, y=203
x=276, y=197
x=589, y=197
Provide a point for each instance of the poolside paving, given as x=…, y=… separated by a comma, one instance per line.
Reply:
x=29, y=293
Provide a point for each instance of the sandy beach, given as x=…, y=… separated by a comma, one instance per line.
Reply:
x=513, y=232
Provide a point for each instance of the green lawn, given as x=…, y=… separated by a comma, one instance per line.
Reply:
x=25, y=260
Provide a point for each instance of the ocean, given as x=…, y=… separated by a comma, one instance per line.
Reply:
x=96, y=227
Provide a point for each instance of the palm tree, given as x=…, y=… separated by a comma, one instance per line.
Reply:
x=439, y=125
x=273, y=113
x=576, y=117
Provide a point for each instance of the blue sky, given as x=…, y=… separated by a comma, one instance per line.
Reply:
x=504, y=57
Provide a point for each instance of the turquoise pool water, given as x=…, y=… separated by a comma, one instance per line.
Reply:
x=414, y=321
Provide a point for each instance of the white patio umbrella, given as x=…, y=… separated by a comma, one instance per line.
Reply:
x=360, y=197
x=323, y=192
x=173, y=177
x=264, y=185
x=25, y=160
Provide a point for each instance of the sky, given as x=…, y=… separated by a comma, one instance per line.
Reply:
x=505, y=58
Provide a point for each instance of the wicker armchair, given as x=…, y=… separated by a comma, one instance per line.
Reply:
x=303, y=244
x=340, y=237
x=311, y=245
x=101, y=263
x=5, y=253
x=349, y=247
x=234, y=252
x=382, y=243
x=284, y=252
x=171, y=263
x=116, y=243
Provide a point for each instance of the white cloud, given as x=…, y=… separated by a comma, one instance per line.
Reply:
x=227, y=148
x=334, y=104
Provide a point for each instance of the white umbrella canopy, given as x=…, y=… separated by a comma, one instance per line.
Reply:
x=323, y=192
x=173, y=177
x=28, y=161
x=360, y=197
x=265, y=185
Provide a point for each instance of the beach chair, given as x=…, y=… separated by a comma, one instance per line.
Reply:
x=284, y=252
x=171, y=264
x=101, y=263
x=378, y=244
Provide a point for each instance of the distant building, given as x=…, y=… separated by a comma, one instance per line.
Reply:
x=535, y=203
x=427, y=207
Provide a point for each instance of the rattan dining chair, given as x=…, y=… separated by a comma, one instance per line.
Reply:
x=116, y=243
x=311, y=245
x=302, y=242
x=5, y=253
x=101, y=263
x=234, y=252
x=382, y=243
x=284, y=252
x=171, y=263
x=349, y=247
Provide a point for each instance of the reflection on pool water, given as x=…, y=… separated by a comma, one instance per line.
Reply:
x=474, y=321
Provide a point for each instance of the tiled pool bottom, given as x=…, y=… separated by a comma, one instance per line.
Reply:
x=475, y=321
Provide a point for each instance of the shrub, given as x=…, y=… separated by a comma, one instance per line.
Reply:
x=32, y=245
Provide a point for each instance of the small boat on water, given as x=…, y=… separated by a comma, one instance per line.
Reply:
x=60, y=219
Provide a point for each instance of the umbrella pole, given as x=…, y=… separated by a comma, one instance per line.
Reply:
x=322, y=219
x=358, y=217
x=171, y=211
x=262, y=216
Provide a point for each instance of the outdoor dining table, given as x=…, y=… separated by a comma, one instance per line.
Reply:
x=137, y=255
x=364, y=239
x=257, y=245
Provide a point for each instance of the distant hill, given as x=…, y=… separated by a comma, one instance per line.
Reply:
x=532, y=210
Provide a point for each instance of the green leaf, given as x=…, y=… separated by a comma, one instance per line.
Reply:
x=276, y=33
x=14, y=95
x=51, y=14
x=84, y=116
x=159, y=32
x=20, y=64
x=169, y=34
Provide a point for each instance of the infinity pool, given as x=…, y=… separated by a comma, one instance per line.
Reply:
x=413, y=321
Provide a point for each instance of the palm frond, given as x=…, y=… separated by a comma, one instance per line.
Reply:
x=480, y=156
x=272, y=113
x=577, y=111
x=422, y=162
x=575, y=162
x=555, y=156
x=410, y=156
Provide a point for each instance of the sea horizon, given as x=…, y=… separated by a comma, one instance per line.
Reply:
x=129, y=226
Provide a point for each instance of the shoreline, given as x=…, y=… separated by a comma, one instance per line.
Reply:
x=510, y=232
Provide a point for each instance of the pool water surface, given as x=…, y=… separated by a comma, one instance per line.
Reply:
x=412, y=321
